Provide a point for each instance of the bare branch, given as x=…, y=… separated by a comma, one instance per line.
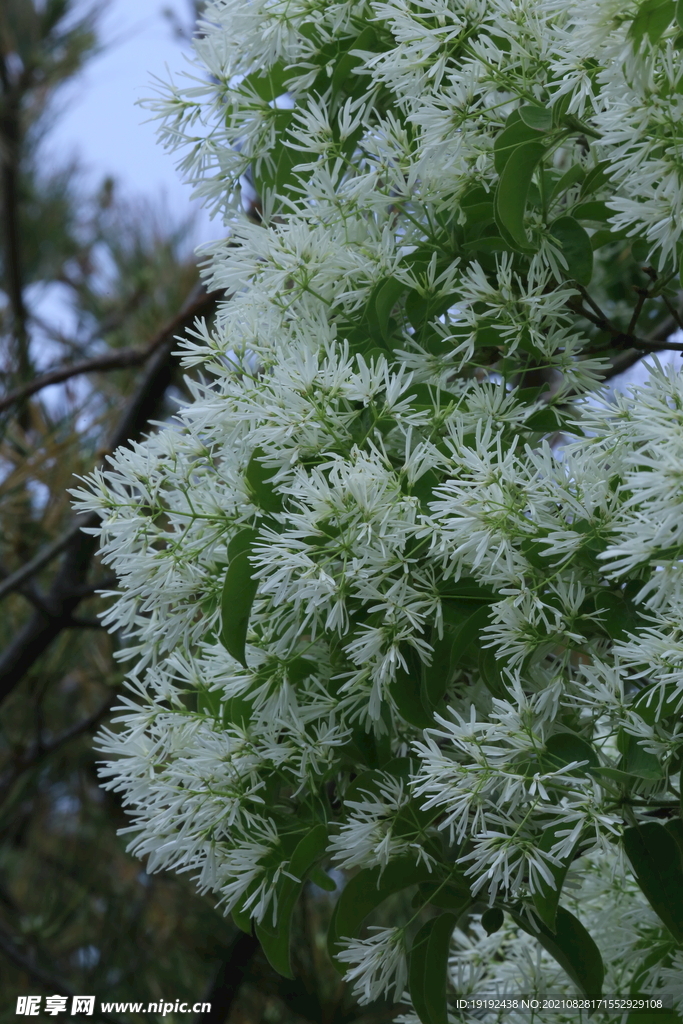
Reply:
x=115, y=360
x=65, y=594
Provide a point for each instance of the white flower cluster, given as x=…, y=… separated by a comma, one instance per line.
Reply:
x=361, y=587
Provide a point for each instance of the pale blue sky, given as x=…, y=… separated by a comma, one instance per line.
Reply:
x=101, y=122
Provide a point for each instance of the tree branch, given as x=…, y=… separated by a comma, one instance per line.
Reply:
x=115, y=360
x=66, y=591
x=10, y=137
x=228, y=979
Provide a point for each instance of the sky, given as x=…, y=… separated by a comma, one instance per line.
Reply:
x=100, y=121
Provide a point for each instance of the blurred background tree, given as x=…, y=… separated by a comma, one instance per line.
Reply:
x=93, y=289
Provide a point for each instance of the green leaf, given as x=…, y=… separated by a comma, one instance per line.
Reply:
x=516, y=134
x=575, y=246
x=605, y=235
x=276, y=173
x=652, y=20
x=655, y=860
x=428, y=974
x=655, y=703
x=540, y=118
x=490, y=243
x=347, y=64
x=576, y=125
x=545, y=420
x=479, y=213
x=268, y=84
x=259, y=479
x=322, y=879
x=679, y=13
x=595, y=178
x=572, y=176
x=364, y=892
x=492, y=920
x=387, y=296
x=638, y=762
x=454, y=895
x=675, y=828
x=573, y=948
x=242, y=919
x=239, y=591
x=512, y=192
x=546, y=899
x=406, y=691
x=462, y=624
x=275, y=939
x=594, y=210
x=565, y=747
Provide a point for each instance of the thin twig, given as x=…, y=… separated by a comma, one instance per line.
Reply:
x=44, y=556
x=111, y=361
x=65, y=593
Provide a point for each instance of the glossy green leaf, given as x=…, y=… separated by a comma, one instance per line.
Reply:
x=268, y=84
x=638, y=762
x=364, y=892
x=594, y=210
x=575, y=245
x=274, y=939
x=540, y=118
x=516, y=134
x=655, y=703
x=479, y=213
x=242, y=920
x=492, y=920
x=239, y=591
x=322, y=879
x=572, y=947
x=427, y=973
x=348, y=62
x=604, y=236
x=595, y=178
x=572, y=176
x=490, y=670
x=454, y=895
x=463, y=621
x=512, y=192
x=546, y=420
x=490, y=243
x=417, y=966
x=406, y=691
x=259, y=477
x=547, y=899
x=385, y=301
x=653, y=853
x=675, y=828
x=652, y=20
x=565, y=747
x=577, y=125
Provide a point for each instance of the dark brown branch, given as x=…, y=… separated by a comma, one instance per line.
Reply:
x=111, y=361
x=228, y=979
x=65, y=594
x=10, y=141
